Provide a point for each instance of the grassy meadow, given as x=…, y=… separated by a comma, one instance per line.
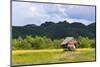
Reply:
x=24, y=57
x=43, y=50
x=52, y=33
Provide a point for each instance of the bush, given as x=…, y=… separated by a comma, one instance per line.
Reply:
x=85, y=42
x=20, y=44
x=57, y=43
x=93, y=45
x=38, y=42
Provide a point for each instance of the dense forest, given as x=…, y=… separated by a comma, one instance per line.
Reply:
x=49, y=35
x=53, y=30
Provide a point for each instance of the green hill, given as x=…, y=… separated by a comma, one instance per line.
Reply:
x=53, y=30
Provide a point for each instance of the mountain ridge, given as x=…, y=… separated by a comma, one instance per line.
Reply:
x=53, y=30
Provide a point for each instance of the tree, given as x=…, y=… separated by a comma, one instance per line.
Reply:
x=85, y=42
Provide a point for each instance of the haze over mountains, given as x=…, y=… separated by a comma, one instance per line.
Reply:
x=53, y=30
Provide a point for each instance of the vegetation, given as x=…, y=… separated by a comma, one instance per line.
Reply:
x=24, y=57
x=55, y=30
x=39, y=42
x=85, y=42
x=32, y=44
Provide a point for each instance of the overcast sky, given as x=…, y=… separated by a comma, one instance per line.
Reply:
x=36, y=13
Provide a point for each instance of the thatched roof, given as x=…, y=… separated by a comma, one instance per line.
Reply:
x=67, y=39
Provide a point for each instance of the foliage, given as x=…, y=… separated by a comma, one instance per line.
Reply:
x=85, y=42
x=36, y=42
x=20, y=44
x=44, y=42
x=55, y=30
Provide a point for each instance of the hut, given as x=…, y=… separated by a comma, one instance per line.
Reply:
x=70, y=43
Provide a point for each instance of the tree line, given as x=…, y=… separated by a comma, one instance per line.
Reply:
x=39, y=42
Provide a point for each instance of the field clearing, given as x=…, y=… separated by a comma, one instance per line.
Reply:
x=23, y=57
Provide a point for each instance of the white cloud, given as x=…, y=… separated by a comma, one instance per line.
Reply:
x=86, y=22
x=37, y=13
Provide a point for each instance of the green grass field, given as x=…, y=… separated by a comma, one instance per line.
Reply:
x=23, y=57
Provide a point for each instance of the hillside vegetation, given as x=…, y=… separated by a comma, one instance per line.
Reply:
x=32, y=44
x=53, y=30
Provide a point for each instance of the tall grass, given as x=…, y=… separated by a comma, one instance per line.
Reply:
x=50, y=56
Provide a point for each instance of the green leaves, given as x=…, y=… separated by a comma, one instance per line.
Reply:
x=36, y=42
x=55, y=30
x=44, y=42
x=85, y=42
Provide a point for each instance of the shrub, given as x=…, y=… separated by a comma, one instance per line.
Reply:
x=44, y=42
x=36, y=42
x=85, y=42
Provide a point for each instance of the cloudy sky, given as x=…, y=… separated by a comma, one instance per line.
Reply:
x=36, y=13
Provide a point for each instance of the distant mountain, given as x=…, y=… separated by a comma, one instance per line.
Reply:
x=58, y=30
